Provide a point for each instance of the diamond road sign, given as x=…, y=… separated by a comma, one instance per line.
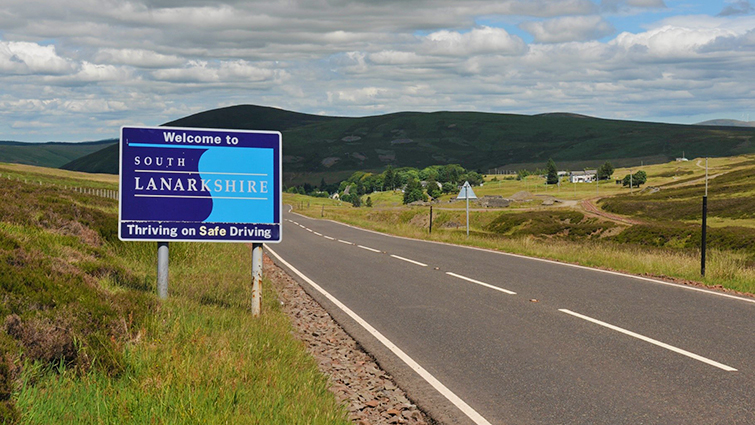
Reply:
x=208, y=185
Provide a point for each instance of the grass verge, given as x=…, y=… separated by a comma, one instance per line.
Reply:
x=84, y=339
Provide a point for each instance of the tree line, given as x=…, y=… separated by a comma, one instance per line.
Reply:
x=416, y=184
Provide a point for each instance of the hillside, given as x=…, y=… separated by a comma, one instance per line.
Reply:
x=318, y=147
x=53, y=154
x=729, y=123
x=102, y=161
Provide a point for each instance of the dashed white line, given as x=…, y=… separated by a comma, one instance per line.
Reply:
x=328, y=237
x=309, y=230
x=368, y=248
x=346, y=242
x=487, y=285
x=652, y=341
x=409, y=261
x=422, y=372
x=318, y=234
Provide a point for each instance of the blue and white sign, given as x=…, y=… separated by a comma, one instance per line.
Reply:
x=208, y=185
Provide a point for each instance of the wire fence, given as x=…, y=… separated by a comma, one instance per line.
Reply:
x=103, y=193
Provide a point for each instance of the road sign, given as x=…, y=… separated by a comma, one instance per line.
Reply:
x=466, y=192
x=208, y=185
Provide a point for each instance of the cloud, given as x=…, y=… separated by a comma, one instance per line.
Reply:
x=670, y=42
x=570, y=28
x=31, y=58
x=617, y=5
x=482, y=40
x=137, y=57
x=740, y=7
x=224, y=72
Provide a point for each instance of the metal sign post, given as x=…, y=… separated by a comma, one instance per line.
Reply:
x=162, y=270
x=200, y=185
x=467, y=193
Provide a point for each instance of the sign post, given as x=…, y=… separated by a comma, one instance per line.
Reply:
x=200, y=185
x=467, y=193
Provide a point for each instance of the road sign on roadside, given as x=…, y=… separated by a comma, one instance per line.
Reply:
x=200, y=185
x=466, y=192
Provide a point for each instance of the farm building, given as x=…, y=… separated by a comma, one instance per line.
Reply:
x=587, y=176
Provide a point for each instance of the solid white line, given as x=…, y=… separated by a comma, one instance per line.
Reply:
x=328, y=237
x=318, y=234
x=346, y=242
x=576, y=266
x=368, y=248
x=487, y=285
x=442, y=389
x=652, y=341
x=409, y=261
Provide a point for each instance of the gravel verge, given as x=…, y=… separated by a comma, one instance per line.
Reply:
x=370, y=394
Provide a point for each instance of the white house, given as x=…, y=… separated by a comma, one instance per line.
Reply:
x=587, y=176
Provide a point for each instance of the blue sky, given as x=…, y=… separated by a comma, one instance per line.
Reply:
x=79, y=70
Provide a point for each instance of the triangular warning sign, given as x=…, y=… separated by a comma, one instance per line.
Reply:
x=466, y=192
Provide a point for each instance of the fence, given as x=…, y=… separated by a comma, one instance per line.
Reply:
x=103, y=193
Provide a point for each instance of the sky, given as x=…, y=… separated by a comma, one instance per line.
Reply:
x=79, y=70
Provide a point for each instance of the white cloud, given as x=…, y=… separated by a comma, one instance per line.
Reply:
x=569, y=28
x=137, y=57
x=482, y=40
x=670, y=42
x=31, y=58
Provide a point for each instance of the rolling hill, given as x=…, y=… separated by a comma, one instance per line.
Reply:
x=52, y=154
x=333, y=147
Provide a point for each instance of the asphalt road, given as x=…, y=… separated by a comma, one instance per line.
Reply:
x=481, y=337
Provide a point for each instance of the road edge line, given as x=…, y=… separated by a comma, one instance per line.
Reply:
x=424, y=374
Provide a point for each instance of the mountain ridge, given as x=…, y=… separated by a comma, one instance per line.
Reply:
x=324, y=147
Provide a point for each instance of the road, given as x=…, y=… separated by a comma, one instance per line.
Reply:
x=480, y=337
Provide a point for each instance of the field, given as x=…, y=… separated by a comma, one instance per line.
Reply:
x=653, y=230
x=85, y=340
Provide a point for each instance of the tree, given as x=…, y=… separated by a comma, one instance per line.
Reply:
x=636, y=180
x=522, y=174
x=552, y=173
x=413, y=192
x=389, y=179
x=356, y=201
x=448, y=187
x=368, y=203
x=432, y=188
x=605, y=171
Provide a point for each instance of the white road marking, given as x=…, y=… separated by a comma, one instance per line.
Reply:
x=409, y=261
x=487, y=285
x=652, y=341
x=442, y=389
x=368, y=248
x=328, y=237
x=308, y=229
x=346, y=242
x=318, y=234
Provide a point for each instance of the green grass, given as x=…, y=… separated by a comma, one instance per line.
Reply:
x=85, y=340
